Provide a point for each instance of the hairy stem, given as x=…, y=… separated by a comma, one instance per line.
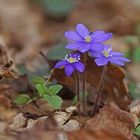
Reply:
x=84, y=84
x=77, y=89
x=100, y=90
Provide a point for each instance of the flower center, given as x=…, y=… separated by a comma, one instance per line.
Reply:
x=88, y=39
x=106, y=52
x=72, y=58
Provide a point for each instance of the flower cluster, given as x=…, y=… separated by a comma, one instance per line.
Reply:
x=84, y=41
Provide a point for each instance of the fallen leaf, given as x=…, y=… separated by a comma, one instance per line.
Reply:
x=22, y=84
x=71, y=109
x=92, y=135
x=18, y=123
x=6, y=94
x=5, y=137
x=3, y=52
x=85, y=134
x=32, y=111
x=135, y=107
x=5, y=101
x=6, y=113
x=61, y=117
x=110, y=124
x=3, y=126
x=114, y=121
x=6, y=63
x=71, y=125
x=44, y=127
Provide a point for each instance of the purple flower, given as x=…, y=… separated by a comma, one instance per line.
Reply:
x=83, y=40
x=71, y=63
x=104, y=54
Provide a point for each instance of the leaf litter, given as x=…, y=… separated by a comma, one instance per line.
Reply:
x=114, y=120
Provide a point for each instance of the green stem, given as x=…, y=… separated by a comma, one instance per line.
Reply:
x=84, y=83
x=77, y=90
x=100, y=90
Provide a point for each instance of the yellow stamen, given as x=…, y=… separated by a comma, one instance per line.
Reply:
x=88, y=39
x=106, y=53
x=71, y=60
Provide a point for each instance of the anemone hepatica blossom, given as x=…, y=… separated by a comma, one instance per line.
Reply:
x=71, y=63
x=83, y=40
x=105, y=54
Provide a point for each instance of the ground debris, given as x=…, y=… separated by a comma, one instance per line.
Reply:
x=114, y=121
x=18, y=123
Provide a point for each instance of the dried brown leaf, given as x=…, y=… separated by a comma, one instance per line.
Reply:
x=22, y=84
x=86, y=134
x=4, y=58
x=44, y=127
x=135, y=107
x=92, y=135
x=71, y=125
x=5, y=137
x=32, y=111
x=114, y=121
x=18, y=123
x=6, y=63
x=110, y=124
x=6, y=94
x=5, y=101
x=6, y=113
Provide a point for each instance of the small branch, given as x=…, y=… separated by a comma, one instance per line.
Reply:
x=43, y=55
x=100, y=90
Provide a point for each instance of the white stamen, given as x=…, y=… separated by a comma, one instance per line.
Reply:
x=106, y=52
x=72, y=59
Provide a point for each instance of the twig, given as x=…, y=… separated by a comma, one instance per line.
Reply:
x=43, y=55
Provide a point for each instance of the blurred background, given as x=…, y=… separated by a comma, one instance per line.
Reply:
x=30, y=26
